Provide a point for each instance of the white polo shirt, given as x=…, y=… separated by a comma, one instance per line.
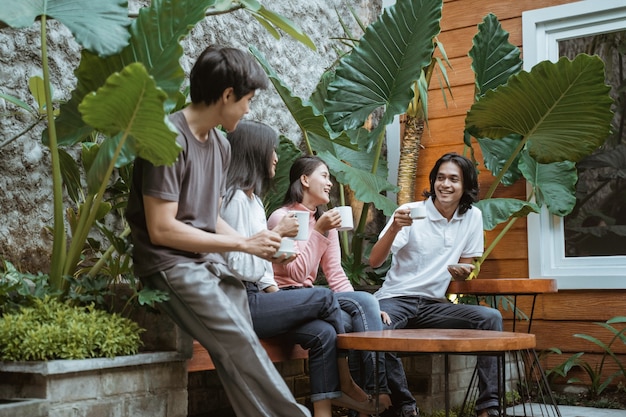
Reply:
x=422, y=252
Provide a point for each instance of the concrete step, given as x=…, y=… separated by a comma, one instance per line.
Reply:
x=23, y=407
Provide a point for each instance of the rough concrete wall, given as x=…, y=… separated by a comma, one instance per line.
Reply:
x=25, y=183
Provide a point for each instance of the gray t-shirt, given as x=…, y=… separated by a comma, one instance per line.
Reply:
x=196, y=181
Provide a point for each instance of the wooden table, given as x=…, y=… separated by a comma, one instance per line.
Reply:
x=506, y=287
x=443, y=341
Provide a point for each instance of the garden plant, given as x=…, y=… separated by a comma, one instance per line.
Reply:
x=128, y=81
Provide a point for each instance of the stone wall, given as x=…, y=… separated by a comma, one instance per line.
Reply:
x=144, y=385
x=425, y=376
x=25, y=183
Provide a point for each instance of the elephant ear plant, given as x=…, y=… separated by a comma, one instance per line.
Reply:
x=128, y=80
x=536, y=125
x=375, y=77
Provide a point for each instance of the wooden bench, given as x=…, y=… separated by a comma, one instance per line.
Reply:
x=466, y=342
x=277, y=349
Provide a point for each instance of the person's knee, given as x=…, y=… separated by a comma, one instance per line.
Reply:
x=493, y=319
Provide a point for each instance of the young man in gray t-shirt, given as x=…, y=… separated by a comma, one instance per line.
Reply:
x=176, y=229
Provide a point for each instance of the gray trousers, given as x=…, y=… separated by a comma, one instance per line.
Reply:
x=211, y=305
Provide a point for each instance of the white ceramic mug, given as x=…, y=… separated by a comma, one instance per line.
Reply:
x=287, y=245
x=347, y=222
x=418, y=212
x=303, y=224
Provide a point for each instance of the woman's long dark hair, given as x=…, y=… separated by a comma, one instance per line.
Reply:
x=470, y=180
x=252, y=144
x=305, y=165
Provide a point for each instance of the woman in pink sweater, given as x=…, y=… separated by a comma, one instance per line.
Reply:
x=309, y=189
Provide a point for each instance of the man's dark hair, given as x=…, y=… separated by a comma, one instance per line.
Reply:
x=470, y=180
x=218, y=68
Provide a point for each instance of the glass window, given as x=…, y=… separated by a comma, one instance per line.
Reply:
x=586, y=249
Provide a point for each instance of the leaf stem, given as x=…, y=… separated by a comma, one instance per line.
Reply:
x=505, y=168
x=59, y=244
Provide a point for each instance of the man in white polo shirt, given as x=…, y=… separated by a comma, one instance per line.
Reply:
x=414, y=290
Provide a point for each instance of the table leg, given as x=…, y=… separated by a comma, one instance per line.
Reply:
x=377, y=385
x=447, y=385
x=532, y=312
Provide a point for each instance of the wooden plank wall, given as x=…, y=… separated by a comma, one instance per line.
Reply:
x=557, y=316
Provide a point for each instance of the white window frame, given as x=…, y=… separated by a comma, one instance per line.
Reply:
x=542, y=30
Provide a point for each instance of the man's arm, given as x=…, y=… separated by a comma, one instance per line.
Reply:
x=381, y=248
x=165, y=230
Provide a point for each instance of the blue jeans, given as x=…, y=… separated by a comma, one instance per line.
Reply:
x=427, y=313
x=310, y=317
x=361, y=313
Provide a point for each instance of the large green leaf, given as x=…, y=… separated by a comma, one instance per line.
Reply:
x=561, y=109
x=494, y=61
x=499, y=210
x=554, y=184
x=99, y=26
x=171, y=20
x=137, y=113
x=496, y=154
x=381, y=69
x=271, y=20
x=367, y=187
x=494, y=58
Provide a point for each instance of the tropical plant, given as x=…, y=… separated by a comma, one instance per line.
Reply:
x=372, y=79
x=20, y=288
x=598, y=382
x=536, y=125
x=128, y=80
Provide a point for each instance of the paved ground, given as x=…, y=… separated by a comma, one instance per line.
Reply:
x=571, y=411
x=568, y=411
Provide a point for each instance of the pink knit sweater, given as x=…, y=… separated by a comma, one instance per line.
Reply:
x=315, y=252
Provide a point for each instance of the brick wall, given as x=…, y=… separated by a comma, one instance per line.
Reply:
x=208, y=399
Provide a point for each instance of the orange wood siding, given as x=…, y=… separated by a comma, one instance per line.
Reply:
x=557, y=316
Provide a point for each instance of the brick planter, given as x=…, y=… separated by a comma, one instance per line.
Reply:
x=147, y=384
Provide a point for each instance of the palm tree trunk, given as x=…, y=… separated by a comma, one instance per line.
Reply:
x=409, y=155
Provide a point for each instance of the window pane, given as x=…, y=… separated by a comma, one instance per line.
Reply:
x=597, y=225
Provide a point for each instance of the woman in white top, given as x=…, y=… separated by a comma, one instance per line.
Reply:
x=310, y=317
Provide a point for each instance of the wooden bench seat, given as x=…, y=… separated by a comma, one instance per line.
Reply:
x=277, y=349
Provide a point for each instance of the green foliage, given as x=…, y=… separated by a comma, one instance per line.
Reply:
x=20, y=288
x=536, y=124
x=128, y=80
x=598, y=381
x=54, y=330
x=369, y=79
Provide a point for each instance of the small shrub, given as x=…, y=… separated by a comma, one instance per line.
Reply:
x=598, y=380
x=54, y=330
x=20, y=288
